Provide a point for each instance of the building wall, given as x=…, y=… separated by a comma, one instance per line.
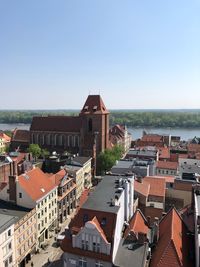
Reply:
x=69, y=141
x=7, y=244
x=165, y=172
x=186, y=196
x=197, y=235
x=46, y=212
x=72, y=260
x=89, y=234
x=25, y=235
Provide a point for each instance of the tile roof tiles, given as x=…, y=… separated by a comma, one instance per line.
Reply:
x=36, y=184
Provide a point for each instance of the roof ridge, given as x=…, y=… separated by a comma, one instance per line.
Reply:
x=165, y=250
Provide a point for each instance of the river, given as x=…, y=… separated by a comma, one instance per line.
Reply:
x=185, y=134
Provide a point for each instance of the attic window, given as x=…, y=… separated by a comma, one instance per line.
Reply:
x=86, y=108
x=103, y=222
x=95, y=108
x=85, y=218
x=42, y=189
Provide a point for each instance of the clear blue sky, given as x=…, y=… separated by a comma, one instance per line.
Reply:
x=136, y=53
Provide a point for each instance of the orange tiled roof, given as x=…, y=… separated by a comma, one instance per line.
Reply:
x=109, y=228
x=137, y=224
x=174, y=244
x=142, y=188
x=35, y=183
x=169, y=165
x=168, y=179
x=5, y=137
x=164, y=153
x=95, y=222
x=157, y=186
x=21, y=135
x=152, y=138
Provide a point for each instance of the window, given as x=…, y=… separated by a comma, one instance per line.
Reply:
x=82, y=263
x=85, y=218
x=90, y=125
x=94, y=246
x=9, y=232
x=103, y=222
x=10, y=246
x=38, y=215
x=20, y=195
x=98, y=264
x=10, y=259
x=6, y=263
x=98, y=247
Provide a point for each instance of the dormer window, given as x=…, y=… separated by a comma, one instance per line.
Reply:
x=94, y=108
x=86, y=108
x=85, y=218
x=103, y=222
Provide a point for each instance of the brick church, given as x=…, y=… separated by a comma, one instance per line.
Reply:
x=86, y=134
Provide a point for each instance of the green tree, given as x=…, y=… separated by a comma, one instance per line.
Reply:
x=107, y=159
x=35, y=150
x=44, y=153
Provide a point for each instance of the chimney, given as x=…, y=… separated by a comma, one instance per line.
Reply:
x=156, y=230
x=12, y=188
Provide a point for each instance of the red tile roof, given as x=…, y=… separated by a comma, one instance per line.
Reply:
x=174, y=245
x=36, y=184
x=167, y=165
x=109, y=228
x=56, y=124
x=164, y=153
x=6, y=138
x=95, y=222
x=107, y=231
x=21, y=135
x=152, y=138
x=94, y=105
x=157, y=186
x=168, y=179
x=137, y=224
x=142, y=188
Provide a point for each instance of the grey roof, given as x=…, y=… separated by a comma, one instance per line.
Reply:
x=100, y=198
x=80, y=160
x=138, y=167
x=10, y=209
x=130, y=254
x=5, y=222
x=136, y=153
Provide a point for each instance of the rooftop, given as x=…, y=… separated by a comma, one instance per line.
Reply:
x=129, y=252
x=5, y=222
x=142, y=152
x=100, y=199
x=167, y=165
x=36, y=183
x=174, y=244
x=10, y=209
x=80, y=160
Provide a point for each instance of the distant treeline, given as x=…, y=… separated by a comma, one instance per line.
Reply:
x=130, y=118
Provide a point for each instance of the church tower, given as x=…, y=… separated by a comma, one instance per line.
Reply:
x=95, y=126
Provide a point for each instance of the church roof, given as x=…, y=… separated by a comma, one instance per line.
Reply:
x=94, y=105
x=56, y=123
